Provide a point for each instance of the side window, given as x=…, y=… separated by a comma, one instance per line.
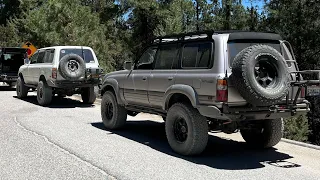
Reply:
x=197, y=55
x=147, y=59
x=41, y=56
x=167, y=57
x=48, y=57
x=34, y=58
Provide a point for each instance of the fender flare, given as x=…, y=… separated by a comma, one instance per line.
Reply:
x=180, y=89
x=110, y=82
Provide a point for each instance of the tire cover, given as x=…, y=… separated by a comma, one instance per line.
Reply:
x=250, y=86
x=72, y=67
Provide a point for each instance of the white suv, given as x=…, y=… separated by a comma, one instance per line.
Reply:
x=61, y=70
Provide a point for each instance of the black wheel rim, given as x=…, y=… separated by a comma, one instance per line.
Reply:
x=109, y=110
x=180, y=129
x=73, y=65
x=266, y=72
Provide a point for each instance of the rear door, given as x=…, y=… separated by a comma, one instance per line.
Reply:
x=43, y=65
x=164, y=73
x=36, y=68
x=197, y=60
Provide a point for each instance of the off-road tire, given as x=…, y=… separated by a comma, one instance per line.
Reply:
x=88, y=95
x=197, y=129
x=267, y=137
x=119, y=113
x=44, y=94
x=72, y=67
x=245, y=82
x=21, y=89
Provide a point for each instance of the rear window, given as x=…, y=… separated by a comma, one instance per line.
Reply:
x=86, y=54
x=196, y=55
x=235, y=47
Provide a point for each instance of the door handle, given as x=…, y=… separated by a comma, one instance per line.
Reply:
x=144, y=78
x=170, y=78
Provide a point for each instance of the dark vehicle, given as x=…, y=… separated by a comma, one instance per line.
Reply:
x=10, y=61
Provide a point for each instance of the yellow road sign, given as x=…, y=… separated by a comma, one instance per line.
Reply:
x=31, y=49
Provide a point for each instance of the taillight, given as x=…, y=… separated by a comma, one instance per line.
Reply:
x=303, y=92
x=54, y=73
x=222, y=90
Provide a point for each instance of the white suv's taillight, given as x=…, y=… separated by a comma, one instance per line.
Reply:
x=222, y=90
x=54, y=73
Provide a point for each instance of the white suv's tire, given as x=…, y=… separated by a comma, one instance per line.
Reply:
x=186, y=129
x=113, y=115
x=88, y=95
x=44, y=93
x=21, y=89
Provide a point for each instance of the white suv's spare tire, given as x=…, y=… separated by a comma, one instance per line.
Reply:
x=261, y=75
x=72, y=67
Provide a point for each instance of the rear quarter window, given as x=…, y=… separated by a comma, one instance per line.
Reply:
x=86, y=54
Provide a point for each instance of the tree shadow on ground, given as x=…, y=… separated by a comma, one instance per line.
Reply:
x=58, y=102
x=220, y=153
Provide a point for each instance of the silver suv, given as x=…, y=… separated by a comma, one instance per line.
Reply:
x=211, y=81
x=61, y=70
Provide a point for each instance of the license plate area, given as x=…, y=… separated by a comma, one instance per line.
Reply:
x=313, y=91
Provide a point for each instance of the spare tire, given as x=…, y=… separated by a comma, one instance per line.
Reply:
x=261, y=75
x=72, y=67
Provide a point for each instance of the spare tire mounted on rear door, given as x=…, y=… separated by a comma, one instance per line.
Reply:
x=72, y=67
x=261, y=75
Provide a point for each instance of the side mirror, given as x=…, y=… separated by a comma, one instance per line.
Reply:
x=127, y=65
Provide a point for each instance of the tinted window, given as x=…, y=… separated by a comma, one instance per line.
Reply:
x=48, y=58
x=166, y=57
x=147, y=59
x=196, y=55
x=41, y=57
x=86, y=54
x=148, y=56
x=34, y=58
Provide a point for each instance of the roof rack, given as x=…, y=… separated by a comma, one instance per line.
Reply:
x=184, y=36
x=205, y=35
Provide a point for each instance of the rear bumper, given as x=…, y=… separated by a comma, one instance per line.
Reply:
x=73, y=84
x=254, y=113
x=6, y=78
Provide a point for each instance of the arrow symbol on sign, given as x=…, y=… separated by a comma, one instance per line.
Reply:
x=28, y=44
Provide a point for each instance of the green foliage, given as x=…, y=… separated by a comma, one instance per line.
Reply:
x=58, y=22
x=8, y=9
x=9, y=37
x=296, y=128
